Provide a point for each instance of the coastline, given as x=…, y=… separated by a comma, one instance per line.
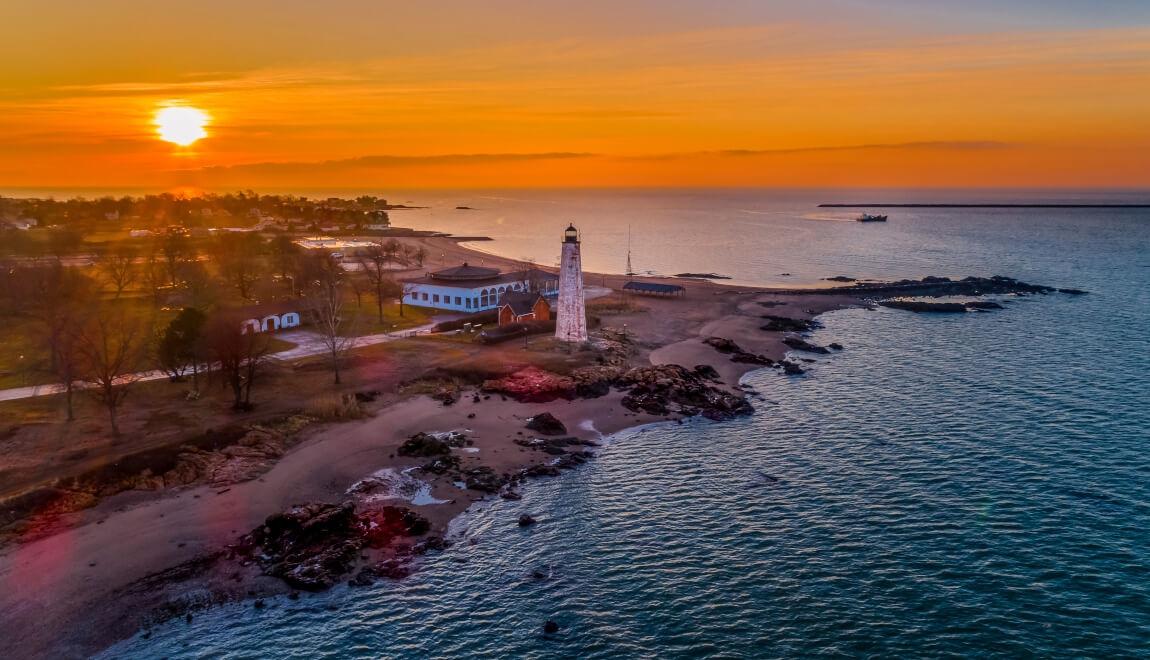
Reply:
x=135, y=553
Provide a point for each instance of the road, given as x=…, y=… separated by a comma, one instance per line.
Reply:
x=307, y=344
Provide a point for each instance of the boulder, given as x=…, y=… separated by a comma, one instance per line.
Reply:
x=547, y=424
x=722, y=345
x=423, y=444
x=525, y=520
x=706, y=371
x=787, y=324
x=800, y=344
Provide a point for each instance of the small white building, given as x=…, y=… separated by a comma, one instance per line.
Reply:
x=270, y=317
x=469, y=288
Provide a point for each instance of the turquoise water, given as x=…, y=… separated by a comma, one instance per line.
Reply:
x=972, y=485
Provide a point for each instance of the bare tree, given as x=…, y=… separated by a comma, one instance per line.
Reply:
x=420, y=255
x=154, y=277
x=238, y=261
x=373, y=262
x=176, y=248
x=238, y=354
x=119, y=266
x=326, y=306
x=54, y=294
x=110, y=345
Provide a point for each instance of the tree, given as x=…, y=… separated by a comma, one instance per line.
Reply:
x=54, y=295
x=238, y=354
x=284, y=251
x=63, y=241
x=201, y=288
x=372, y=262
x=326, y=306
x=178, y=346
x=119, y=266
x=176, y=249
x=110, y=345
x=391, y=249
x=154, y=277
x=420, y=256
x=238, y=260
x=68, y=366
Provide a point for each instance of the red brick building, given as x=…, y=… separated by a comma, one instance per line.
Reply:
x=520, y=306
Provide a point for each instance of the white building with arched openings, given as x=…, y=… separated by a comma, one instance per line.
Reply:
x=469, y=288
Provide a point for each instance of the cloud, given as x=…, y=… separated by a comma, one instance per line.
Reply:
x=389, y=161
x=953, y=145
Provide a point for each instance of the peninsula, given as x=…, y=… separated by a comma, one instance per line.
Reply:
x=318, y=484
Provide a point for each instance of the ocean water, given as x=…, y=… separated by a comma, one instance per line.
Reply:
x=948, y=486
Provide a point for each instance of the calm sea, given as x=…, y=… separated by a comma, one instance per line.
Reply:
x=973, y=485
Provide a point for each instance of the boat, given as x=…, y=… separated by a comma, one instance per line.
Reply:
x=866, y=217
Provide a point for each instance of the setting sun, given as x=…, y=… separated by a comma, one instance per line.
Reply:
x=181, y=125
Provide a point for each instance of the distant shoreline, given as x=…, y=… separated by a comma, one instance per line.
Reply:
x=984, y=206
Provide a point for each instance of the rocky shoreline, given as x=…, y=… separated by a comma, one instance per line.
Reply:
x=324, y=520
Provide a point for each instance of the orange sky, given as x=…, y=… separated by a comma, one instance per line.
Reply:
x=377, y=95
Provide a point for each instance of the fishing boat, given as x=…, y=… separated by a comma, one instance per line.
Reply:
x=866, y=217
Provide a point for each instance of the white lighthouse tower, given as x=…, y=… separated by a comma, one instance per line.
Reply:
x=571, y=324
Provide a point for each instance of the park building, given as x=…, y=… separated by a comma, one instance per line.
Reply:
x=468, y=288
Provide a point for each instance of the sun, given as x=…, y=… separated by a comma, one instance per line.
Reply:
x=181, y=125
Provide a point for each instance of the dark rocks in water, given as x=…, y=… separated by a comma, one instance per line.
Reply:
x=258, y=604
x=723, y=345
x=311, y=546
x=702, y=276
x=662, y=389
x=484, y=479
x=982, y=304
x=840, y=278
x=921, y=306
x=706, y=371
x=392, y=569
x=547, y=424
x=787, y=324
x=539, y=470
x=929, y=287
x=791, y=368
x=511, y=495
x=1072, y=292
x=800, y=344
x=362, y=579
x=526, y=520
x=538, y=574
x=550, y=627
x=835, y=346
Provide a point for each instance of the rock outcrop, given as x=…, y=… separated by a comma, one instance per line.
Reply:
x=547, y=424
x=312, y=546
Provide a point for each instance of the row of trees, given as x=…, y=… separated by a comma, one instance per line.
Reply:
x=201, y=210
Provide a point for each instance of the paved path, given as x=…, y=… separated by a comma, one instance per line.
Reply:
x=307, y=343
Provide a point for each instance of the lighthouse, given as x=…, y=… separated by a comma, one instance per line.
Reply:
x=571, y=323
